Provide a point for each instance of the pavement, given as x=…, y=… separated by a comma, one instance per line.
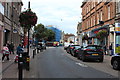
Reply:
x=9, y=66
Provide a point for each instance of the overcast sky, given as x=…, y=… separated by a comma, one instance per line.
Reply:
x=64, y=14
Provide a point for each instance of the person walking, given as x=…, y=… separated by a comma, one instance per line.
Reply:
x=5, y=52
x=19, y=49
x=12, y=48
x=104, y=48
x=9, y=47
x=110, y=48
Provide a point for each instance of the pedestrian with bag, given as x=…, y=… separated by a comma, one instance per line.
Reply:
x=5, y=52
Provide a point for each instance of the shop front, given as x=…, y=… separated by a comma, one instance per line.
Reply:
x=117, y=38
x=100, y=35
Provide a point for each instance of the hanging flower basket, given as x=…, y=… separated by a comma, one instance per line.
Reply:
x=28, y=19
x=102, y=34
x=85, y=37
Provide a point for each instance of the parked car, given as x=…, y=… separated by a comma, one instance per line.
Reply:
x=70, y=48
x=115, y=61
x=75, y=50
x=66, y=44
x=94, y=52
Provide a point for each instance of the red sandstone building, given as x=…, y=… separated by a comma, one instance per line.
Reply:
x=99, y=16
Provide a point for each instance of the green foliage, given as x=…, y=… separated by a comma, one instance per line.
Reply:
x=43, y=33
x=101, y=34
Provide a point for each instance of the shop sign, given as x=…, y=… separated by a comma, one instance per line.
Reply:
x=117, y=49
x=117, y=26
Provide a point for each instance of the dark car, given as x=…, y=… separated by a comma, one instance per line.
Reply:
x=41, y=46
x=70, y=48
x=93, y=52
x=115, y=61
x=75, y=50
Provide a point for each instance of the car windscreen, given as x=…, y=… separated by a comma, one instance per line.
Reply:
x=94, y=47
x=76, y=47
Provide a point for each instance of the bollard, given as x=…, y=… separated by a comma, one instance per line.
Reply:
x=20, y=70
x=20, y=67
x=33, y=53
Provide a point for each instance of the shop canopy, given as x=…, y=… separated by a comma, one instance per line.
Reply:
x=94, y=31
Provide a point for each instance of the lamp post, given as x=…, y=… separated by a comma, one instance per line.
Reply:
x=27, y=64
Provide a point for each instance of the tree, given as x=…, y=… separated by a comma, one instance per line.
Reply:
x=43, y=33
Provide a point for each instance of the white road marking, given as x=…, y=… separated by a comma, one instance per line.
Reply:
x=82, y=65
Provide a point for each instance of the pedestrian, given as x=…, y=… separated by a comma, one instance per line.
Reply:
x=19, y=49
x=9, y=47
x=5, y=52
x=110, y=48
x=104, y=48
x=12, y=48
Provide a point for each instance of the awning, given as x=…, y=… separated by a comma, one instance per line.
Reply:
x=102, y=27
x=93, y=34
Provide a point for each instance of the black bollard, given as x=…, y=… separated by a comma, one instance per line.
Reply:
x=21, y=71
x=33, y=53
x=20, y=67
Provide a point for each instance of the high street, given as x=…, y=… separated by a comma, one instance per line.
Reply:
x=56, y=63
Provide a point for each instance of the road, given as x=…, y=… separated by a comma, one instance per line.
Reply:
x=56, y=63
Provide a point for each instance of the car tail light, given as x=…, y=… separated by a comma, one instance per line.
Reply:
x=100, y=49
x=77, y=50
x=87, y=55
x=88, y=49
x=71, y=47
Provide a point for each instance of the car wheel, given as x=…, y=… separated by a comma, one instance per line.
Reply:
x=75, y=54
x=78, y=56
x=83, y=58
x=116, y=64
x=101, y=60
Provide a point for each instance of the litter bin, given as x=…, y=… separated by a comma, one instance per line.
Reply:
x=25, y=59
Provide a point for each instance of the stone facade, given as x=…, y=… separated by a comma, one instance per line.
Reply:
x=11, y=23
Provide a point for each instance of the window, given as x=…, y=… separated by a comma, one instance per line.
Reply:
x=98, y=18
x=7, y=9
x=1, y=9
x=101, y=15
x=87, y=9
x=94, y=4
x=108, y=12
x=91, y=22
x=119, y=6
